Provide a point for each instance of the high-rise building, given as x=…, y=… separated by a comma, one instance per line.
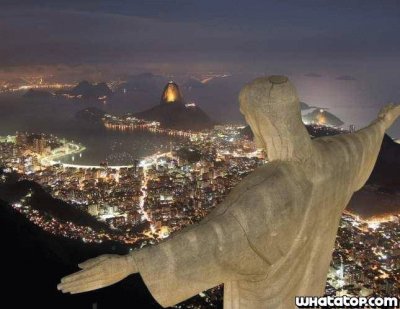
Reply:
x=135, y=166
x=352, y=128
x=21, y=139
x=93, y=210
x=39, y=145
x=134, y=218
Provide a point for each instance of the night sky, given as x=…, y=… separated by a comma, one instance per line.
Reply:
x=339, y=53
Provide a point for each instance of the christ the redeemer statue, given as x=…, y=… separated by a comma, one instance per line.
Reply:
x=272, y=238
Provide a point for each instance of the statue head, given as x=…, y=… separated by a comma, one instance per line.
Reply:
x=272, y=109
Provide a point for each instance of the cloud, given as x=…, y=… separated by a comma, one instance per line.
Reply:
x=345, y=77
x=313, y=75
x=109, y=30
x=187, y=36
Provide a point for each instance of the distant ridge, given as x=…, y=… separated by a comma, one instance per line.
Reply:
x=387, y=168
x=46, y=204
x=87, y=90
x=322, y=117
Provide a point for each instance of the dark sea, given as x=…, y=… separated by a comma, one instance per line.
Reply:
x=58, y=118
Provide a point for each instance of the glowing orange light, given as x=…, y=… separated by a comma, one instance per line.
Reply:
x=321, y=119
x=170, y=94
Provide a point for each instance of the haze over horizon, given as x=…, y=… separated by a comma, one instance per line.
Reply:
x=341, y=55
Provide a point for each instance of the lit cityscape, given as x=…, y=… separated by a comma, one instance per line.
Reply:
x=151, y=150
x=160, y=194
x=131, y=123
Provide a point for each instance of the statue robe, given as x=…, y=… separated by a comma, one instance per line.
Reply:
x=273, y=236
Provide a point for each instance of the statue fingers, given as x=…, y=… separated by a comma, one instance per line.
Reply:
x=80, y=284
x=85, y=285
x=88, y=287
x=91, y=262
x=82, y=274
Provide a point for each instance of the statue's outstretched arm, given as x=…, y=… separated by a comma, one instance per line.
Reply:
x=366, y=143
x=98, y=272
x=195, y=259
x=388, y=115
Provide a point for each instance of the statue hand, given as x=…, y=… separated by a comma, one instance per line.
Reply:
x=98, y=273
x=389, y=114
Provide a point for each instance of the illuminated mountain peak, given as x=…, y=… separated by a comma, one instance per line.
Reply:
x=171, y=94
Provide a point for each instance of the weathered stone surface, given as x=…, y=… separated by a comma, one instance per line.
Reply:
x=272, y=238
x=277, y=79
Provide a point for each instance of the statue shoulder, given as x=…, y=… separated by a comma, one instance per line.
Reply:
x=277, y=177
x=266, y=181
x=273, y=188
x=249, y=183
x=272, y=191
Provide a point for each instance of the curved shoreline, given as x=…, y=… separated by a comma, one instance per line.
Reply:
x=52, y=159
